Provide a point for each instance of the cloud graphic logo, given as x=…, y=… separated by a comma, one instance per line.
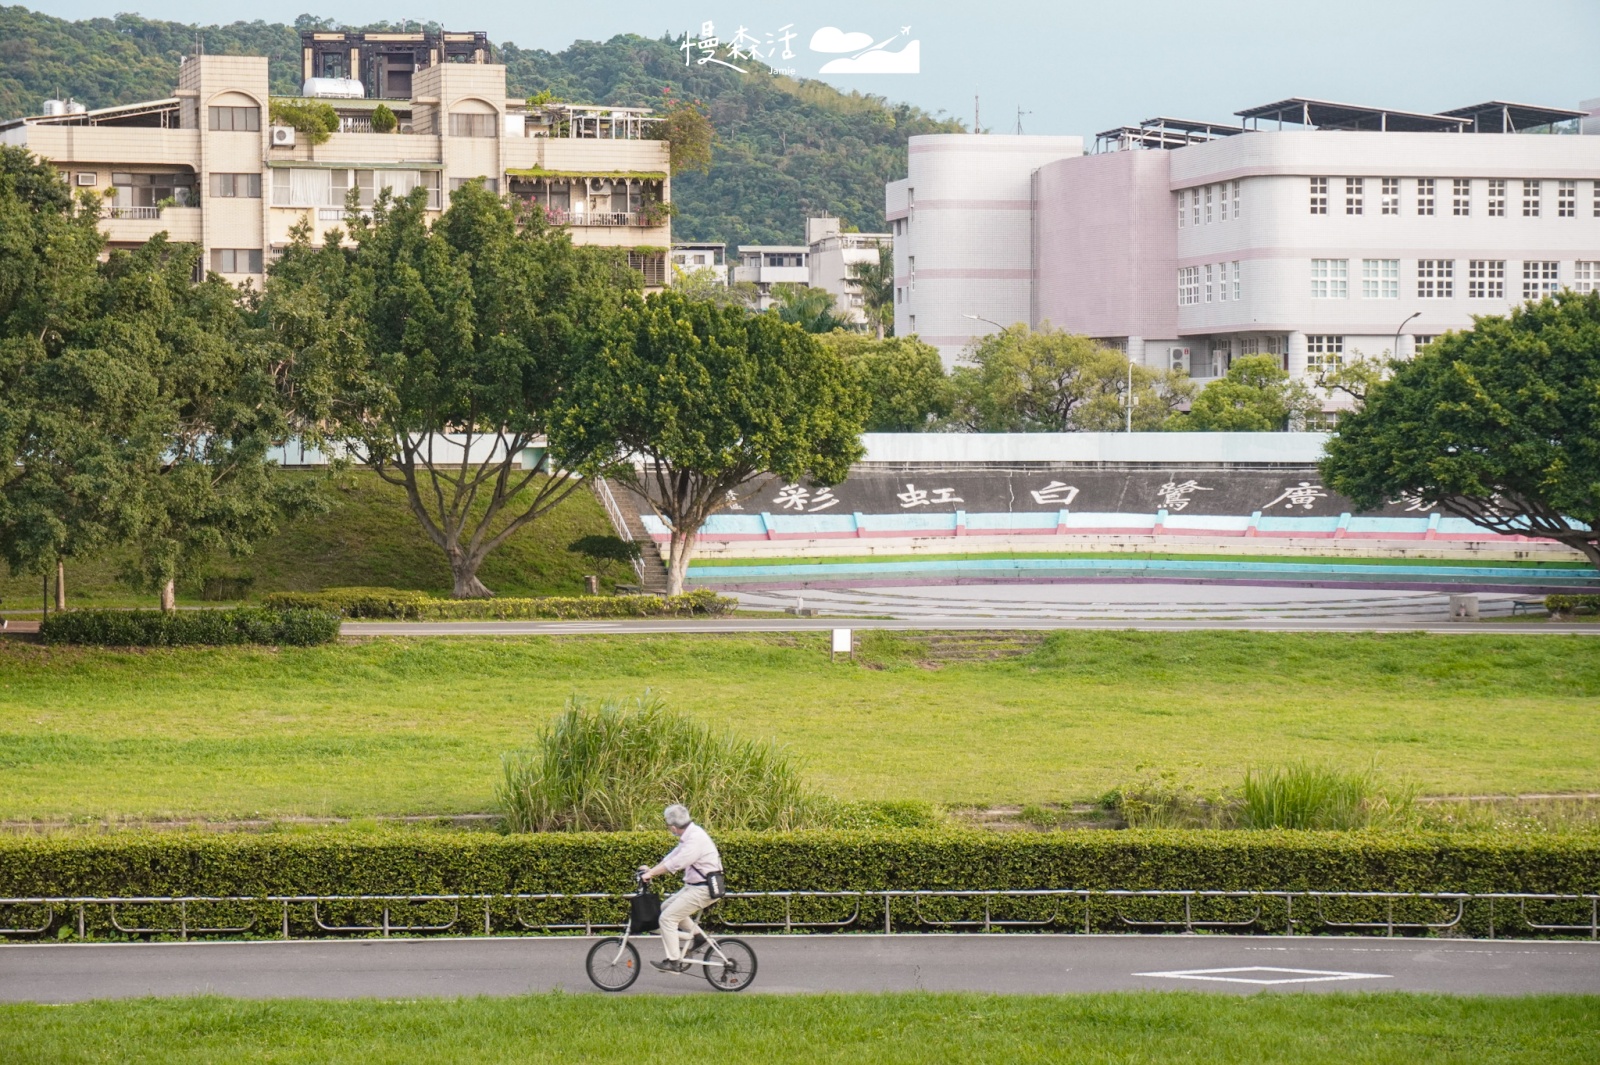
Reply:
x=879, y=60
x=833, y=39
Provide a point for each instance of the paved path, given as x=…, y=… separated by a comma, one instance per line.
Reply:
x=969, y=622
x=1009, y=964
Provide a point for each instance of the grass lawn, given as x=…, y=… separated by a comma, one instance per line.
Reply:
x=417, y=726
x=368, y=538
x=1167, y=1028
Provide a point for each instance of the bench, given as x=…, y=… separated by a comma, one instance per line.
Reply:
x=1526, y=606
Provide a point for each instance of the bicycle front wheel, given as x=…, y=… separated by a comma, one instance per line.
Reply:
x=734, y=968
x=613, y=964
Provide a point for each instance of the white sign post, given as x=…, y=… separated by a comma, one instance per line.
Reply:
x=843, y=644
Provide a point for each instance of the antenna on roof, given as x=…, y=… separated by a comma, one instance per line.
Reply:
x=1020, y=113
x=977, y=127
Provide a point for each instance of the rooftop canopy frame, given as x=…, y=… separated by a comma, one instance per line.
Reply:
x=1502, y=116
x=1325, y=114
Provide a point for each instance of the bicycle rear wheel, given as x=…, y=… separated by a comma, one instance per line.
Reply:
x=612, y=964
x=734, y=970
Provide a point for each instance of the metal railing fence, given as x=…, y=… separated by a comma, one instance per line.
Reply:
x=619, y=521
x=1065, y=910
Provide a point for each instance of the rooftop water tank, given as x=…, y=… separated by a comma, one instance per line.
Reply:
x=333, y=88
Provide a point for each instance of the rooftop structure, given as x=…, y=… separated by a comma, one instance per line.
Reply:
x=1498, y=116
x=1162, y=133
x=1325, y=115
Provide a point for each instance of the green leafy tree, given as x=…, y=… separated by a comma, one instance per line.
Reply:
x=1025, y=381
x=689, y=134
x=1255, y=396
x=315, y=120
x=811, y=309
x=903, y=379
x=1499, y=425
x=471, y=328
x=137, y=408
x=710, y=283
x=875, y=279
x=703, y=400
x=604, y=552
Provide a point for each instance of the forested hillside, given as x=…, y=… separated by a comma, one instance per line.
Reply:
x=785, y=148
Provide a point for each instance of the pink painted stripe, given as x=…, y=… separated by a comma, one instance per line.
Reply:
x=893, y=216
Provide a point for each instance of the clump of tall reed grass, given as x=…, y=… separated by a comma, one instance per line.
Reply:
x=1320, y=796
x=616, y=765
x=1302, y=795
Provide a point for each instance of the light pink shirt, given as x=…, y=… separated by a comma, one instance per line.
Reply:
x=694, y=852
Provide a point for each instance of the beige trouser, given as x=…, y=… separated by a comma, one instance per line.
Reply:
x=677, y=916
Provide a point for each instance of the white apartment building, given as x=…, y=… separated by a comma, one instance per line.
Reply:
x=832, y=254
x=688, y=257
x=765, y=265
x=1188, y=244
x=207, y=166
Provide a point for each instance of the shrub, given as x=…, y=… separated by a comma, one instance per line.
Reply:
x=393, y=604
x=315, y=120
x=1166, y=800
x=1572, y=604
x=383, y=119
x=1322, y=797
x=606, y=551
x=392, y=861
x=153, y=628
x=617, y=766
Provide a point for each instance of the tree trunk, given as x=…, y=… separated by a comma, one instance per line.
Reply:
x=61, y=584
x=169, y=596
x=464, y=578
x=678, y=564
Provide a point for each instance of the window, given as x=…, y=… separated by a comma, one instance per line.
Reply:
x=1586, y=275
x=1596, y=195
x=1486, y=279
x=401, y=183
x=1566, y=199
x=1461, y=197
x=1530, y=198
x=1208, y=282
x=1236, y=201
x=1222, y=282
x=1183, y=206
x=1324, y=353
x=1236, y=285
x=1188, y=286
x=492, y=184
x=245, y=119
x=911, y=320
x=1436, y=279
x=1355, y=196
x=1194, y=201
x=1422, y=340
x=1330, y=279
x=236, y=186
x=1425, y=196
x=652, y=264
x=1319, y=195
x=911, y=273
x=1380, y=279
x=1539, y=277
x=1222, y=200
x=236, y=260
x=1391, y=195
x=1208, y=205
x=899, y=294
x=1497, y=197
x=474, y=125
x=142, y=195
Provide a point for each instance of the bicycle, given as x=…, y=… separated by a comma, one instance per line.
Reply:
x=613, y=963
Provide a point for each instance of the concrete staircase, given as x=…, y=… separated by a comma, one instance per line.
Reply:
x=622, y=507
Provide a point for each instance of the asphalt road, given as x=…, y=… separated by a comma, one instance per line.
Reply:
x=931, y=622
x=1007, y=964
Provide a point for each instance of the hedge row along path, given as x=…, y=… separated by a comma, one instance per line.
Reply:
x=1002, y=964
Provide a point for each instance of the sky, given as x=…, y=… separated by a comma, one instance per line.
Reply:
x=1070, y=67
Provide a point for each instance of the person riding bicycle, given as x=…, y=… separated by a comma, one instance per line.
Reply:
x=697, y=858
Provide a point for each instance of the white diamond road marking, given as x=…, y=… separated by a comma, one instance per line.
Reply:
x=1299, y=976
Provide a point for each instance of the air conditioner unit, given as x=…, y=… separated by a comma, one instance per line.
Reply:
x=1179, y=359
x=283, y=136
x=86, y=177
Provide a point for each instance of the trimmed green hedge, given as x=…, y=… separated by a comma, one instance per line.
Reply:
x=153, y=628
x=394, y=605
x=396, y=862
x=1572, y=604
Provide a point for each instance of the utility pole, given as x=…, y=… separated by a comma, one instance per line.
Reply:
x=1020, y=113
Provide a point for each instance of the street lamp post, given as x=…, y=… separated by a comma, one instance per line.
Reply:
x=980, y=318
x=1396, y=351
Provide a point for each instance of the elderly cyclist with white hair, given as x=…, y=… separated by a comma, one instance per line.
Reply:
x=696, y=857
